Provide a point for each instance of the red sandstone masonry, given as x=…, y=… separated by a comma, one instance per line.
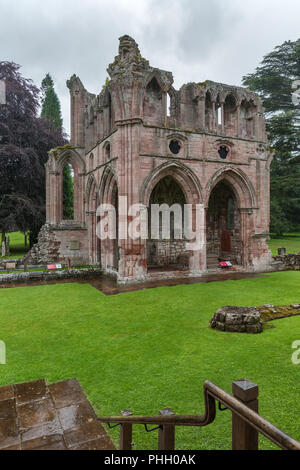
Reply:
x=120, y=147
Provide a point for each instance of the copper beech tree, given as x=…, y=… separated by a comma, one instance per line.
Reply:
x=25, y=139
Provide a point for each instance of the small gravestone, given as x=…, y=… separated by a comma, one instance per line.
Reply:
x=281, y=251
x=3, y=249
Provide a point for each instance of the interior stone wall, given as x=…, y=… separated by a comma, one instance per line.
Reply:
x=167, y=252
x=217, y=224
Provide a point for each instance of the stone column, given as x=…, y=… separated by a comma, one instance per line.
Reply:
x=245, y=238
x=197, y=261
x=214, y=120
x=133, y=253
x=201, y=113
x=238, y=109
x=222, y=117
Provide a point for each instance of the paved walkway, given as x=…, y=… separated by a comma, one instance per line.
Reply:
x=109, y=286
x=34, y=416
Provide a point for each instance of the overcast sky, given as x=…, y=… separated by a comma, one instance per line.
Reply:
x=219, y=40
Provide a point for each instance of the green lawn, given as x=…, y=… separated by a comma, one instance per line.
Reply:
x=290, y=241
x=152, y=349
x=17, y=245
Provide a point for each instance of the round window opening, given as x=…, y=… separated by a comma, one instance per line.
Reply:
x=174, y=146
x=223, y=151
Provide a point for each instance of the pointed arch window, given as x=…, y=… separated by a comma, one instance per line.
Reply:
x=68, y=192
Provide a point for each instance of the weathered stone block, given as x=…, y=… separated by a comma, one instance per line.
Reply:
x=237, y=319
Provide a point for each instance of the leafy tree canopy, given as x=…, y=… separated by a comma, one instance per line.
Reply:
x=25, y=140
x=273, y=81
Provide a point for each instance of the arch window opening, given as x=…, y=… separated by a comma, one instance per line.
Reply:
x=223, y=224
x=247, y=112
x=166, y=243
x=153, y=106
x=107, y=151
x=68, y=192
x=219, y=116
x=230, y=115
x=91, y=162
x=168, y=105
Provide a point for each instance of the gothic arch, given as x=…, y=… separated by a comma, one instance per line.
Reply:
x=240, y=183
x=186, y=179
x=91, y=187
x=108, y=194
x=92, y=202
x=54, y=169
x=107, y=183
x=73, y=157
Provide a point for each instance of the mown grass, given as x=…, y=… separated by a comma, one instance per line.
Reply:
x=153, y=348
x=17, y=245
x=290, y=241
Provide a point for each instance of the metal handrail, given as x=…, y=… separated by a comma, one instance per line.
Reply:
x=213, y=393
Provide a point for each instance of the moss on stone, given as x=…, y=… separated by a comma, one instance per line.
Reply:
x=55, y=153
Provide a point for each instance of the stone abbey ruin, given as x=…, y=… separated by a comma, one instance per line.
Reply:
x=204, y=144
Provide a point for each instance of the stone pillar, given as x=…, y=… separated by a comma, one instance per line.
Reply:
x=222, y=117
x=201, y=113
x=238, y=120
x=214, y=120
x=164, y=108
x=245, y=238
x=133, y=253
x=197, y=260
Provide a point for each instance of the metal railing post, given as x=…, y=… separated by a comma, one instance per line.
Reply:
x=244, y=436
x=126, y=432
x=166, y=432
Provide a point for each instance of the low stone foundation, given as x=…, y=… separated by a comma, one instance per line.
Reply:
x=290, y=261
x=250, y=319
x=237, y=319
x=48, y=275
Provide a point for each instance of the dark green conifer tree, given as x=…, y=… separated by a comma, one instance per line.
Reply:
x=51, y=110
x=274, y=81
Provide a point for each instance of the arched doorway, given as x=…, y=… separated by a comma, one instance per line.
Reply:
x=223, y=224
x=109, y=198
x=166, y=246
x=92, y=221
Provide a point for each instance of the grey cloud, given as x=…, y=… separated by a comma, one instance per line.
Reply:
x=195, y=39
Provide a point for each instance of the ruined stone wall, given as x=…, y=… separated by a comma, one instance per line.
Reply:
x=167, y=252
x=124, y=138
x=58, y=244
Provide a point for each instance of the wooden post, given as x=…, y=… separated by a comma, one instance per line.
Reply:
x=166, y=433
x=126, y=432
x=244, y=436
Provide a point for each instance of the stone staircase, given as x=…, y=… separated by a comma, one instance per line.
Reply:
x=212, y=261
